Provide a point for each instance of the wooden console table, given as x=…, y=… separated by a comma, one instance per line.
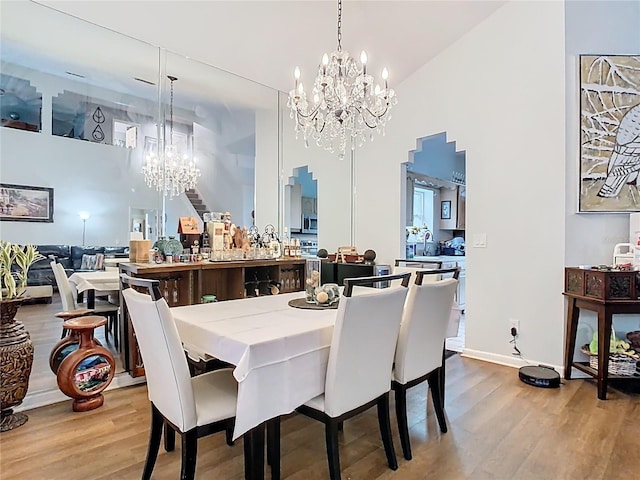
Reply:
x=186, y=283
x=606, y=292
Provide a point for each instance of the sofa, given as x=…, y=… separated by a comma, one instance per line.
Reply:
x=40, y=279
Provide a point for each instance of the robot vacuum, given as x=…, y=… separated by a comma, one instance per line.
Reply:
x=540, y=376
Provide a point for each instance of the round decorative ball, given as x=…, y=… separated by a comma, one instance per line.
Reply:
x=322, y=297
x=369, y=255
x=322, y=253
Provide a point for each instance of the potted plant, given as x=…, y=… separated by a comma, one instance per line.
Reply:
x=16, y=349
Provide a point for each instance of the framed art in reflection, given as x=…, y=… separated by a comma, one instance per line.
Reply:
x=445, y=209
x=24, y=203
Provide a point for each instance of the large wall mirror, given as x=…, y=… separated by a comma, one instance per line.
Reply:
x=81, y=109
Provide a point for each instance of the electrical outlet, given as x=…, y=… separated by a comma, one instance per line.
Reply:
x=514, y=323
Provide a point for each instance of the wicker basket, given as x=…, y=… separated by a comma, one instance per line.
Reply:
x=619, y=364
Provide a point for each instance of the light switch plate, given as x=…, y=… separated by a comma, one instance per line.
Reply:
x=480, y=240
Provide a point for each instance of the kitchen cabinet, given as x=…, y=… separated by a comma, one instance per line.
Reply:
x=309, y=205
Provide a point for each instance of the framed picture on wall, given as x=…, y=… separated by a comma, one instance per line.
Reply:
x=445, y=209
x=23, y=203
x=609, y=132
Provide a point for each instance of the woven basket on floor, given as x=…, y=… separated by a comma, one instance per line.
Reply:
x=618, y=364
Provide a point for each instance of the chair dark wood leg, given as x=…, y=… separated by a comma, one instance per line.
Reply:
x=401, y=415
x=385, y=430
x=169, y=438
x=333, y=453
x=273, y=447
x=189, y=454
x=444, y=351
x=154, y=442
x=229, y=436
x=436, y=395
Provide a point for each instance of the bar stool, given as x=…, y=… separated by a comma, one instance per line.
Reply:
x=84, y=373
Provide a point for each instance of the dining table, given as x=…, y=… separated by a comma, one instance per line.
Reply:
x=279, y=354
x=103, y=282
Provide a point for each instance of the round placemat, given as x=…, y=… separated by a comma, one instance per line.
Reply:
x=302, y=303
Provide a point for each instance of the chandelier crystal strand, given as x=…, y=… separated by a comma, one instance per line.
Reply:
x=344, y=101
x=175, y=172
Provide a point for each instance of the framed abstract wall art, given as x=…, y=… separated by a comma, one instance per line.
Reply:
x=26, y=204
x=609, y=133
x=445, y=210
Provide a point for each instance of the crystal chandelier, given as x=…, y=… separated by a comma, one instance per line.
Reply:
x=344, y=101
x=174, y=172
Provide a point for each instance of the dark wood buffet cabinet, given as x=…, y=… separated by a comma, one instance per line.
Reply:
x=186, y=283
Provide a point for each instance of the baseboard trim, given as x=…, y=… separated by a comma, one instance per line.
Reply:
x=508, y=361
x=49, y=397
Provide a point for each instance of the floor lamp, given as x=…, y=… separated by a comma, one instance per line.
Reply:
x=84, y=216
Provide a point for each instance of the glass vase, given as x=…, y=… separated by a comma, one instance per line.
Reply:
x=312, y=274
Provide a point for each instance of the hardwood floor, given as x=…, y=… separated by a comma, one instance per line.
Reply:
x=499, y=428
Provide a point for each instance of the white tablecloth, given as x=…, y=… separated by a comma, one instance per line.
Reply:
x=280, y=352
x=100, y=281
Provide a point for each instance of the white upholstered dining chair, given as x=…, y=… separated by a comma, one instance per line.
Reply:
x=71, y=309
x=360, y=363
x=192, y=406
x=419, y=351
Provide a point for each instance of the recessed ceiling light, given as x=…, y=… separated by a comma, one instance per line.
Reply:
x=75, y=74
x=143, y=81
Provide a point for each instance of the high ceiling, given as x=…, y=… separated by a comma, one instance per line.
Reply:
x=265, y=40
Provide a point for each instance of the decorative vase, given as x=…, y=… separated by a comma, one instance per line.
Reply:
x=85, y=372
x=173, y=247
x=160, y=244
x=16, y=359
x=312, y=271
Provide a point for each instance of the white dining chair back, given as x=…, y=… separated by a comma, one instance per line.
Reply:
x=165, y=365
x=362, y=349
x=64, y=287
x=423, y=329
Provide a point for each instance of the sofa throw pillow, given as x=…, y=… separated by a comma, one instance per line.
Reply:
x=99, y=261
x=92, y=262
x=88, y=262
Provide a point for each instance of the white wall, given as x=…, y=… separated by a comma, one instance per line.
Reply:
x=499, y=93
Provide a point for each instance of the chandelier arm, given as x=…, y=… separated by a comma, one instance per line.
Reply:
x=375, y=115
x=309, y=115
x=364, y=117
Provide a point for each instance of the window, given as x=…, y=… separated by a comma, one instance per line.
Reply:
x=423, y=207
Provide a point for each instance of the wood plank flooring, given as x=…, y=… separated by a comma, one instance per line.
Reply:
x=499, y=428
